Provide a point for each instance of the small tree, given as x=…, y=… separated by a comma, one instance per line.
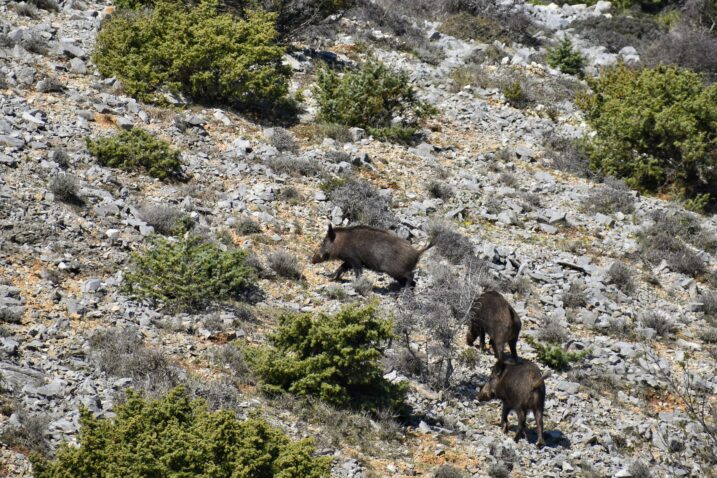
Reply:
x=566, y=59
x=656, y=128
x=195, y=50
x=335, y=358
x=370, y=97
x=187, y=275
x=174, y=436
x=137, y=149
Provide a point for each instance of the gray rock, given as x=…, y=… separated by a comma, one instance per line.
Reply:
x=91, y=285
x=124, y=123
x=357, y=134
x=78, y=66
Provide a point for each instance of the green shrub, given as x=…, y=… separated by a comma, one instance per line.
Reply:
x=137, y=149
x=370, y=97
x=132, y=4
x=188, y=274
x=176, y=437
x=197, y=51
x=555, y=356
x=567, y=60
x=335, y=358
x=515, y=94
x=656, y=128
x=465, y=26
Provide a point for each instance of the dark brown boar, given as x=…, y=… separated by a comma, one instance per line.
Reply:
x=521, y=387
x=362, y=247
x=491, y=314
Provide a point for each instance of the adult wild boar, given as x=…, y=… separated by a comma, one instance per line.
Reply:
x=521, y=387
x=492, y=314
x=360, y=247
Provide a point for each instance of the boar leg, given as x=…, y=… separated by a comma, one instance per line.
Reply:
x=521, y=425
x=538, y=414
x=345, y=267
x=481, y=336
x=504, y=417
x=497, y=349
x=512, y=344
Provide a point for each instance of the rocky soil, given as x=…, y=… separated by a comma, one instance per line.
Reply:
x=61, y=264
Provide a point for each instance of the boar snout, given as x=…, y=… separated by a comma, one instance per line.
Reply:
x=485, y=393
x=316, y=258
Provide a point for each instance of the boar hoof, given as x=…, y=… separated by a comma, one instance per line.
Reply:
x=541, y=443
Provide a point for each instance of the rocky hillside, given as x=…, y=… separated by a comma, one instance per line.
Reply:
x=582, y=258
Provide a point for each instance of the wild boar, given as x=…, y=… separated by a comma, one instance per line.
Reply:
x=492, y=314
x=362, y=247
x=521, y=387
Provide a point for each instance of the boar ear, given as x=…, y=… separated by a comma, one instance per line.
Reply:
x=330, y=233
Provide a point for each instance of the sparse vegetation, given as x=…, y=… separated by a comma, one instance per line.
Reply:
x=284, y=264
x=439, y=190
x=427, y=324
x=25, y=9
x=566, y=59
x=294, y=166
x=29, y=434
x=65, y=187
x=639, y=469
x=568, y=154
x=198, y=51
x=361, y=203
x=655, y=128
x=622, y=276
x=166, y=220
x=555, y=356
x=552, y=331
x=498, y=470
x=122, y=353
x=282, y=139
x=613, y=197
x=173, y=436
x=448, y=471
x=187, y=275
x=575, y=297
x=246, y=226
x=669, y=238
x=370, y=97
x=362, y=286
x=455, y=247
x=334, y=358
x=662, y=325
x=137, y=149
x=466, y=26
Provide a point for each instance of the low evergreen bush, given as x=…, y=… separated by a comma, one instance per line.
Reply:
x=332, y=357
x=187, y=275
x=176, y=437
x=195, y=50
x=656, y=128
x=554, y=355
x=137, y=149
x=566, y=59
x=370, y=97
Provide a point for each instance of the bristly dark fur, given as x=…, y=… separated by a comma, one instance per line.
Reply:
x=521, y=387
x=360, y=247
x=491, y=314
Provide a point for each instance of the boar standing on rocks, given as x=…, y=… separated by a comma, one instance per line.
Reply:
x=492, y=314
x=362, y=247
x=521, y=387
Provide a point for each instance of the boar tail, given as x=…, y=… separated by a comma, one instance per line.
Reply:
x=428, y=246
x=541, y=380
